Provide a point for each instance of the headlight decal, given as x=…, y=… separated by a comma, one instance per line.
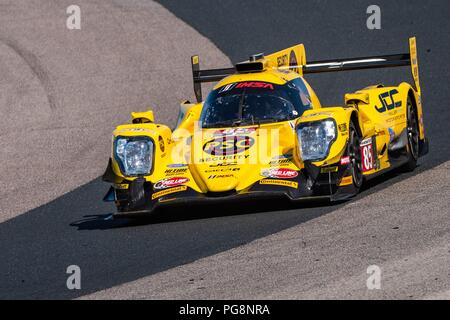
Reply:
x=315, y=139
x=134, y=155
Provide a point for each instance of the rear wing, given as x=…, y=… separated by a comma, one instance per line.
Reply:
x=294, y=59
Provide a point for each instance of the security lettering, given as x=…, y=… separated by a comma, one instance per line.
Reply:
x=225, y=158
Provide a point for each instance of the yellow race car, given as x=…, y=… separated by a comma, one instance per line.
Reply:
x=262, y=131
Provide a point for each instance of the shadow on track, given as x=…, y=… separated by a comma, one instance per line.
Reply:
x=178, y=213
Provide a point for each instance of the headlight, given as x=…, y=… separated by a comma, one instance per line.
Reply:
x=134, y=155
x=315, y=139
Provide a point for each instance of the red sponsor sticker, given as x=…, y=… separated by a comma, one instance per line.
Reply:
x=366, y=154
x=345, y=160
x=281, y=173
x=170, y=182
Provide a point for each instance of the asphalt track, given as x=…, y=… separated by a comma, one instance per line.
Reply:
x=37, y=246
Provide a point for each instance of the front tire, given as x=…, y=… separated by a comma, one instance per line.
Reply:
x=353, y=151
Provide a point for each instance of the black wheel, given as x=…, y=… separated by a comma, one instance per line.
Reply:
x=412, y=130
x=353, y=151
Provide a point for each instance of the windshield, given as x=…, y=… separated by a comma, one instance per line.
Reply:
x=248, y=103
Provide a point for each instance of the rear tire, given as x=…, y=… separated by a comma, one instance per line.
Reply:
x=353, y=151
x=412, y=129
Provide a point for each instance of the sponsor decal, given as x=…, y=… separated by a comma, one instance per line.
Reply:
x=293, y=61
x=222, y=164
x=388, y=101
x=223, y=170
x=177, y=165
x=280, y=162
x=135, y=130
x=280, y=173
x=328, y=169
x=220, y=176
x=162, y=146
x=345, y=181
x=255, y=84
x=283, y=159
x=282, y=60
x=247, y=84
x=224, y=158
x=329, y=114
x=128, y=130
x=234, y=131
x=227, y=87
x=171, y=172
x=366, y=149
x=170, y=182
x=168, y=191
x=121, y=186
x=395, y=118
x=283, y=183
x=342, y=127
x=228, y=145
x=345, y=160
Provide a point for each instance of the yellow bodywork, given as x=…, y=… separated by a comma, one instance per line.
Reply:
x=181, y=153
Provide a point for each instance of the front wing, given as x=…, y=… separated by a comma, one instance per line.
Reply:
x=138, y=196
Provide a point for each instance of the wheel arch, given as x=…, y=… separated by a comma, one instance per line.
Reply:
x=354, y=118
x=416, y=103
x=412, y=98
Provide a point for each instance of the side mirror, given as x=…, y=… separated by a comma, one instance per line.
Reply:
x=185, y=106
x=143, y=117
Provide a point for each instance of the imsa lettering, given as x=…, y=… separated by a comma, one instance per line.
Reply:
x=263, y=85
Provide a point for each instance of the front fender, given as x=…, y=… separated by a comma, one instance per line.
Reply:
x=159, y=134
x=342, y=117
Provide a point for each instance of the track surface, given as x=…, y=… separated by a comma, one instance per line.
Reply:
x=37, y=246
x=63, y=91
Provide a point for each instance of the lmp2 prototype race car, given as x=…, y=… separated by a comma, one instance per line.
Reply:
x=262, y=132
